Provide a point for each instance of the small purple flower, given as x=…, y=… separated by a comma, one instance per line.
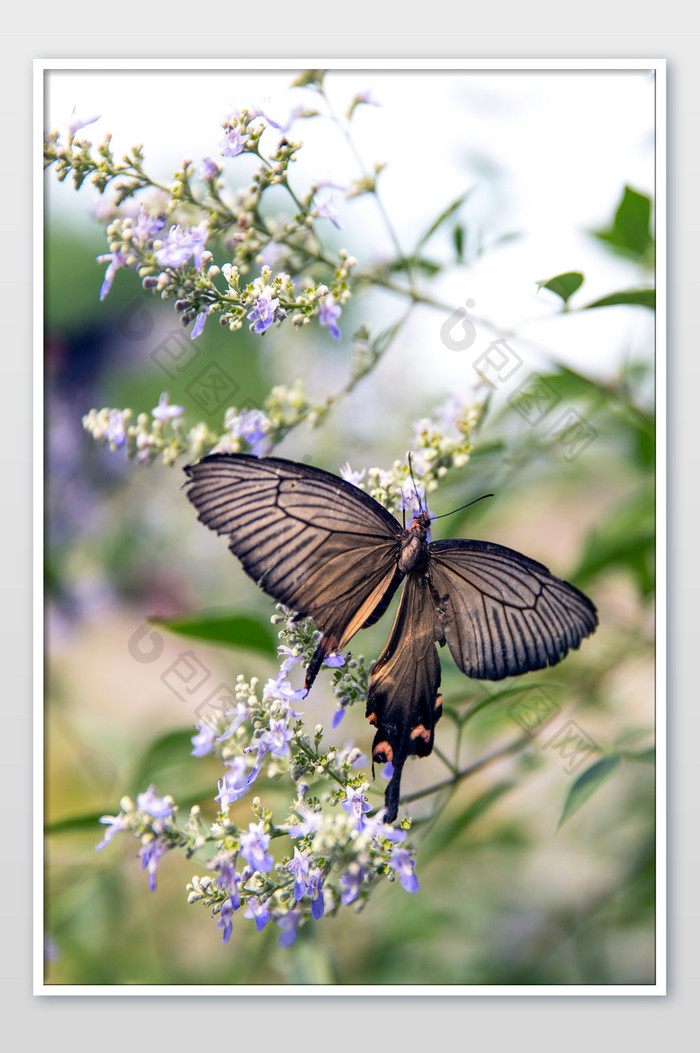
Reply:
x=367, y=98
x=233, y=142
x=228, y=879
x=263, y=313
x=115, y=261
x=225, y=921
x=377, y=828
x=259, y=911
x=150, y=854
x=199, y=321
x=387, y=771
x=277, y=687
x=290, y=661
x=158, y=807
x=203, y=741
x=350, y=476
x=289, y=925
x=76, y=123
x=286, y=125
x=356, y=804
x=310, y=821
x=324, y=210
x=314, y=887
x=337, y=717
x=239, y=715
x=115, y=825
x=164, y=412
x=252, y=426
x=209, y=169
x=411, y=501
x=327, y=314
x=235, y=782
x=351, y=882
x=276, y=740
x=254, y=845
x=181, y=244
x=115, y=431
x=403, y=864
x=145, y=226
x=334, y=660
x=299, y=869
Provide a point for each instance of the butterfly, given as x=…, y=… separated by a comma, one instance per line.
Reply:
x=330, y=552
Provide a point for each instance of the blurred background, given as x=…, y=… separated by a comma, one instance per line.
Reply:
x=506, y=896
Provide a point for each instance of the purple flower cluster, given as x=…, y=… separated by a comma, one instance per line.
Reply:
x=182, y=244
x=142, y=232
x=263, y=313
x=307, y=881
x=254, y=847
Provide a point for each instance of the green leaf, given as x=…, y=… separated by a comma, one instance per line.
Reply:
x=624, y=539
x=444, y=215
x=458, y=235
x=220, y=625
x=415, y=262
x=630, y=231
x=638, y=297
x=169, y=751
x=586, y=785
x=564, y=285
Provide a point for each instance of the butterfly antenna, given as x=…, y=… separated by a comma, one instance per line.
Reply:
x=413, y=480
x=469, y=503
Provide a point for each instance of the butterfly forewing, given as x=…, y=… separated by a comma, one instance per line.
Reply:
x=503, y=614
x=310, y=540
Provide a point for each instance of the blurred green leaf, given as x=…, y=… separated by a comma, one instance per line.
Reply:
x=586, y=785
x=444, y=215
x=639, y=297
x=564, y=285
x=625, y=539
x=161, y=756
x=458, y=236
x=449, y=831
x=630, y=228
x=222, y=626
x=415, y=262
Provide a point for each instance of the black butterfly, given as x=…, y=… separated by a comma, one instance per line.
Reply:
x=330, y=552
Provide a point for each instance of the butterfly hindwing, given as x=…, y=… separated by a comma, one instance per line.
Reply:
x=403, y=700
x=313, y=542
x=503, y=614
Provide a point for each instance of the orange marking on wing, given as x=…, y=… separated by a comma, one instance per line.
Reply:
x=419, y=732
x=438, y=702
x=385, y=749
x=372, y=718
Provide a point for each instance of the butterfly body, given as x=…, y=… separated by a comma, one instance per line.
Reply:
x=328, y=551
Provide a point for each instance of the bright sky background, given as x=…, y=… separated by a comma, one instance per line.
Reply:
x=548, y=155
